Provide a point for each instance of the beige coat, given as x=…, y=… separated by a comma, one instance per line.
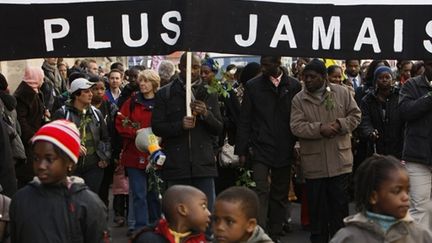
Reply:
x=360, y=229
x=324, y=157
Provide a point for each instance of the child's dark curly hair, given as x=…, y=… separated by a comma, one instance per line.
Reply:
x=370, y=175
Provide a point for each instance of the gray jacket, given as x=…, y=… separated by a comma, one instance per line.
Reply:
x=259, y=236
x=360, y=229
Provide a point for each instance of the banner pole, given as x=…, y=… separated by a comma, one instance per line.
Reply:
x=188, y=83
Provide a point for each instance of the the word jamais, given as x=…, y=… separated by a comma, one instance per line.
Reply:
x=323, y=37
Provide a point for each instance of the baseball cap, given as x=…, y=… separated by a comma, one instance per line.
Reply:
x=80, y=83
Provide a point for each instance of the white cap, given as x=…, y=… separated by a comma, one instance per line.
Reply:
x=80, y=83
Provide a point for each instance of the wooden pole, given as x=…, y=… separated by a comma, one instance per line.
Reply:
x=188, y=83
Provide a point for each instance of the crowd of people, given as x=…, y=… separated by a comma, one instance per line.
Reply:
x=322, y=135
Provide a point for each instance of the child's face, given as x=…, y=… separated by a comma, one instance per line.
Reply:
x=48, y=166
x=230, y=224
x=199, y=215
x=392, y=196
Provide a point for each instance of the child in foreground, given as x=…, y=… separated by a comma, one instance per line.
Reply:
x=55, y=207
x=382, y=200
x=235, y=217
x=186, y=218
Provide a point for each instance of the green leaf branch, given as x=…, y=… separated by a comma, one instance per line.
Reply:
x=329, y=101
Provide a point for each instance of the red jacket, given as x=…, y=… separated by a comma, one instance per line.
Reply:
x=134, y=114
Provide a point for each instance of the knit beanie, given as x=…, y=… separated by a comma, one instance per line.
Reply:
x=380, y=70
x=3, y=83
x=62, y=133
x=211, y=63
x=33, y=76
x=317, y=66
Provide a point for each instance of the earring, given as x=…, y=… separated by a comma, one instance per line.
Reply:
x=70, y=169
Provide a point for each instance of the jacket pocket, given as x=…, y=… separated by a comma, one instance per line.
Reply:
x=417, y=147
x=311, y=160
x=205, y=154
x=345, y=156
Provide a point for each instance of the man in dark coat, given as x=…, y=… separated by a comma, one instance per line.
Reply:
x=415, y=104
x=187, y=141
x=264, y=132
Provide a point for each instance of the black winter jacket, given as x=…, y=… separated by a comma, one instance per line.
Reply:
x=389, y=125
x=7, y=170
x=98, y=128
x=264, y=123
x=53, y=214
x=189, y=152
x=30, y=111
x=416, y=110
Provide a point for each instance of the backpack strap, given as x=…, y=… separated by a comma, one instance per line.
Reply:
x=65, y=112
x=95, y=112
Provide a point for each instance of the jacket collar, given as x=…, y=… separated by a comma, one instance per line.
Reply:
x=162, y=228
x=258, y=236
x=362, y=221
x=73, y=184
x=139, y=98
x=308, y=96
x=25, y=93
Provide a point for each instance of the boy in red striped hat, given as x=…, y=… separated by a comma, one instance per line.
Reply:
x=55, y=207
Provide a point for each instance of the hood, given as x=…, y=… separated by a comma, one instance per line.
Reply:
x=8, y=100
x=259, y=236
x=361, y=221
x=25, y=93
x=73, y=183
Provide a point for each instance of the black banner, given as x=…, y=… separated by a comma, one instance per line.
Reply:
x=158, y=27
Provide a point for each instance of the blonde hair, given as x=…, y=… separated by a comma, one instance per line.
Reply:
x=151, y=76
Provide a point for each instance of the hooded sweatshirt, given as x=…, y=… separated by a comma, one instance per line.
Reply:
x=68, y=213
x=259, y=236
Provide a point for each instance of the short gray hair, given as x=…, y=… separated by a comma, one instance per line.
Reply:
x=166, y=69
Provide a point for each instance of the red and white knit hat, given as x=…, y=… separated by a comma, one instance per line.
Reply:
x=62, y=133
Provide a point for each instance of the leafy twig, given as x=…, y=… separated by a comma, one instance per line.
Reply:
x=219, y=88
x=126, y=122
x=245, y=178
x=329, y=102
x=154, y=181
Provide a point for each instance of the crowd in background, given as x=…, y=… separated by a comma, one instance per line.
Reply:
x=302, y=130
